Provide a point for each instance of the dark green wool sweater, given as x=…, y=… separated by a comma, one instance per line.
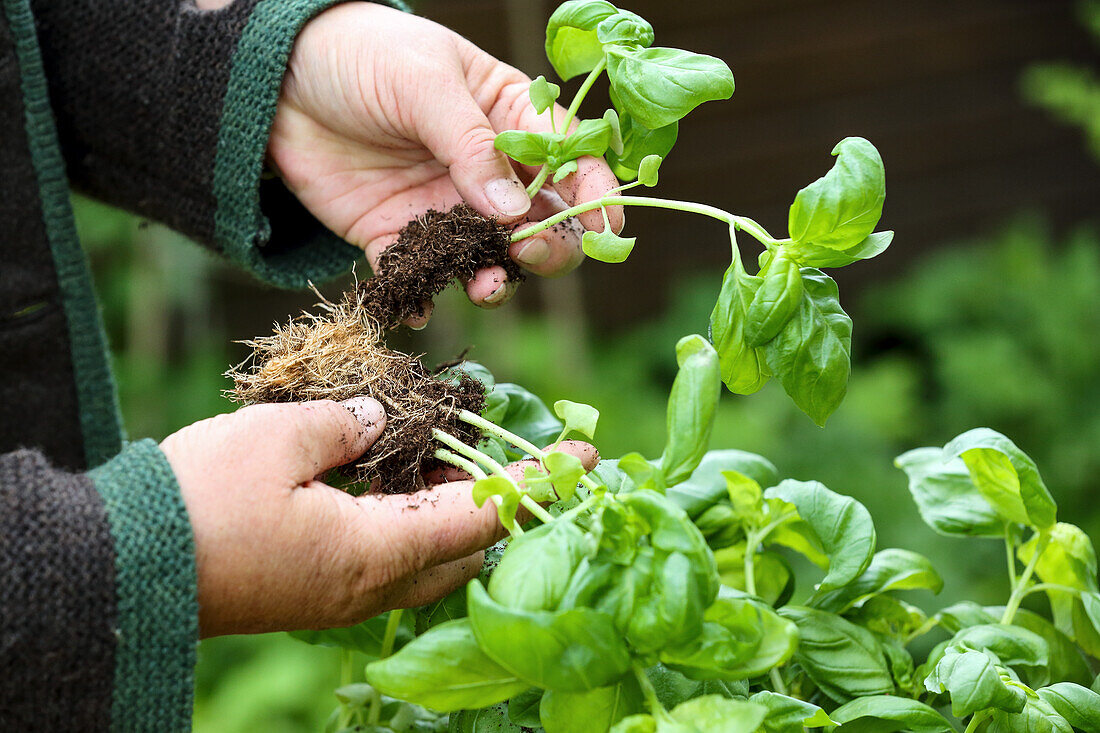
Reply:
x=165, y=110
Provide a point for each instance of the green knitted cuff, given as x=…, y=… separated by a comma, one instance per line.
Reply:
x=156, y=590
x=242, y=227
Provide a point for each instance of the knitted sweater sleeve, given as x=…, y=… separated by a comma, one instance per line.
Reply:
x=98, y=603
x=165, y=110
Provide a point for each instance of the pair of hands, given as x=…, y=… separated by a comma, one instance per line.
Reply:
x=383, y=115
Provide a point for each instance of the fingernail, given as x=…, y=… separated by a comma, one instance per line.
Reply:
x=507, y=197
x=367, y=410
x=500, y=295
x=534, y=252
x=419, y=321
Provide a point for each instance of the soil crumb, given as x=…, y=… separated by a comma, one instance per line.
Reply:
x=431, y=252
x=339, y=354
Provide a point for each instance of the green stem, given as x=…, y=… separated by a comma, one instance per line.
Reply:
x=921, y=630
x=777, y=681
x=649, y=692
x=582, y=507
x=743, y=223
x=1020, y=589
x=474, y=470
x=750, y=570
x=978, y=719
x=536, y=184
x=581, y=93
x=389, y=636
x=347, y=666
x=1040, y=587
x=1010, y=554
x=475, y=455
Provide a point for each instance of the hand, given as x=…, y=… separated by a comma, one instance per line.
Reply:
x=384, y=115
x=278, y=550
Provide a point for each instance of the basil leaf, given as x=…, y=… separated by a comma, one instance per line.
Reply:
x=528, y=148
x=717, y=714
x=842, y=659
x=1066, y=661
x=492, y=719
x=946, y=498
x=573, y=650
x=707, y=484
x=365, y=637
x=1067, y=559
x=592, y=137
x=692, y=404
x=565, y=471
x=525, y=415
x=648, y=170
x=543, y=94
x=886, y=714
x=1038, y=716
x=578, y=416
x=523, y=709
x=974, y=683
x=888, y=617
x=789, y=715
x=572, y=45
x=625, y=28
x=891, y=569
x=812, y=255
x=1006, y=476
x=1079, y=705
x=743, y=366
x=535, y=570
x=842, y=208
x=775, y=301
x=658, y=86
x=606, y=245
x=841, y=523
x=1014, y=646
x=638, y=143
x=592, y=710
x=811, y=355
x=444, y=669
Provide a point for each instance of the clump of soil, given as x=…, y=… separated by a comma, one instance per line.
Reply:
x=431, y=252
x=338, y=355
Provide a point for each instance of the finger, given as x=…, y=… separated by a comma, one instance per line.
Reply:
x=295, y=442
x=554, y=251
x=436, y=582
x=461, y=138
x=490, y=287
x=447, y=525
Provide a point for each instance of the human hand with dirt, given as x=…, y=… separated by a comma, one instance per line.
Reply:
x=277, y=549
x=384, y=115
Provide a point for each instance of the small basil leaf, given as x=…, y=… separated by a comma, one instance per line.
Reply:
x=692, y=404
x=887, y=714
x=572, y=45
x=1079, y=705
x=891, y=569
x=842, y=659
x=811, y=355
x=639, y=142
x=528, y=148
x=578, y=416
x=717, y=714
x=607, y=246
x=523, y=709
x=842, y=208
x=598, y=709
x=590, y=138
x=1014, y=646
x=625, y=28
x=543, y=94
x=538, y=485
x=658, y=86
x=946, y=498
x=743, y=366
x=707, y=484
x=566, y=169
x=526, y=415
x=788, y=714
x=1038, y=716
x=492, y=719
x=974, y=682
x=812, y=255
x=775, y=301
x=565, y=471
x=491, y=486
x=444, y=669
x=647, y=170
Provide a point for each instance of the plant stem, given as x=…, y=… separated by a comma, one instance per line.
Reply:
x=456, y=460
x=1020, y=589
x=474, y=454
x=777, y=681
x=536, y=183
x=1010, y=554
x=649, y=692
x=743, y=223
x=581, y=93
x=978, y=719
x=347, y=665
x=1039, y=587
x=750, y=570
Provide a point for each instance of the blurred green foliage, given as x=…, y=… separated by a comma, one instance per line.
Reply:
x=1000, y=331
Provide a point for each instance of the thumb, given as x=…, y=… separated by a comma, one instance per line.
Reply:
x=301, y=440
x=462, y=139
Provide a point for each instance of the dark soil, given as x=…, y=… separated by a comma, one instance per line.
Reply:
x=431, y=252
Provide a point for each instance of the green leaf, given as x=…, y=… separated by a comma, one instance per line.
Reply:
x=635, y=724
x=811, y=255
x=692, y=404
x=572, y=45
x=444, y=670
x=528, y=148
x=615, y=144
x=543, y=94
x=842, y=659
x=523, y=709
x=974, y=683
x=811, y=355
x=1006, y=476
x=1013, y=645
x=717, y=714
x=775, y=302
x=356, y=695
x=842, y=208
x=842, y=524
x=537, y=484
x=746, y=496
x=647, y=170
x=1067, y=559
x=492, y=719
x=591, y=137
x=947, y=499
x=578, y=416
x=888, y=617
x=658, y=86
x=565, y=471
x=638, y=143
x=1038, y=716
x=886, y=714
x=625, y=28
x=536, y=568
x=593, y=710
x=637, y=468
x=708, y=485
x=491, y=486
x=891, y=569
x=365, y=637
x=1079, y=705
x=1066, y=661
x=571, y=651
x=564, y=170
x=526, y=415
x=606, y=245
x=774, y=579
x=744, y=368
x=789, y=715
